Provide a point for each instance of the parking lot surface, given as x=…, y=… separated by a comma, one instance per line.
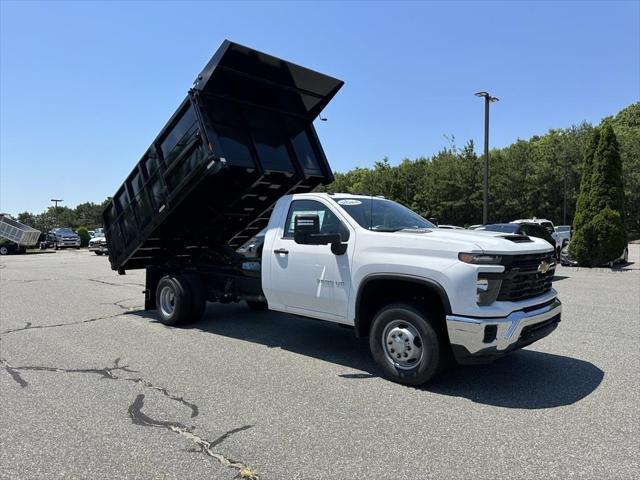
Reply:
x=92, y=386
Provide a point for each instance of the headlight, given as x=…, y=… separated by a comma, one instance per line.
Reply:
x=487, y=289
x=479, y=258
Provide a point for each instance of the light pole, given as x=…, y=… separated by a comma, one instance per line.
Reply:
x=485, y=194
x=55, y=210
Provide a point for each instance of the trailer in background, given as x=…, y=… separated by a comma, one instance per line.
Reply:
x=16, y=237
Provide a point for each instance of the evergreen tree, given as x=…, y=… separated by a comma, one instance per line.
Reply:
x=583, y=207
x=599, y=232
x=606, y=177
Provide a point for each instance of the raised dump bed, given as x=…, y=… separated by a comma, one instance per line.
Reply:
x=241, y=139
x=18, y=233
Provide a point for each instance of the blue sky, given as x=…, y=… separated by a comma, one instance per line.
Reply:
x=85, y=87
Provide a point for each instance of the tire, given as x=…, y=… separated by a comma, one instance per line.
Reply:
x=4, y=250
x=198, y=296
x=625, y=259
x=257, y=306
x=173, y=300
x=98, y=253
x=411, y=329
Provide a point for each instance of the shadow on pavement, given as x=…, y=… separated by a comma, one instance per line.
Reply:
x=524, y=379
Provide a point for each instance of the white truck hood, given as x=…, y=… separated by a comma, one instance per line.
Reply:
x=474, y=241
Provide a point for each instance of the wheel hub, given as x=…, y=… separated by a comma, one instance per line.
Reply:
x=167, y=301
x=402, y=344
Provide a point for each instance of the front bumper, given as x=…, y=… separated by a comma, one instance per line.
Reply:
x=98, y=248
x=482, y=340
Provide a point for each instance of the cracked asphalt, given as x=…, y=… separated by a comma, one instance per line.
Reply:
x=91, y=386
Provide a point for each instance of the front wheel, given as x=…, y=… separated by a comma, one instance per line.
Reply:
x=405, y=344
x=4, y=250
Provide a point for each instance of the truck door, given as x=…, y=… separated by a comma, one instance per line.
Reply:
x=311, y=279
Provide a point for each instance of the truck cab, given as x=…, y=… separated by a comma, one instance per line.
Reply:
x=391, y=274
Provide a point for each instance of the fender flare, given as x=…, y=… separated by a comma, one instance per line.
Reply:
x=427, y=282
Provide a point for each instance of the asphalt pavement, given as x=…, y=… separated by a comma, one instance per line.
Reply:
x=92, y=386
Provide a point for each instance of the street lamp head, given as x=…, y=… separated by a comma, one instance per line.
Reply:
x=487, y=96
x=57, y=200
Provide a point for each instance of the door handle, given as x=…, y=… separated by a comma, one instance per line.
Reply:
x=281, y=251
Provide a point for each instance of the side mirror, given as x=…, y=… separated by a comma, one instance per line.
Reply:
x=306, y=231
x=434, y=221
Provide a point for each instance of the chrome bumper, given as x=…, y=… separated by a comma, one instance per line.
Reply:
x=471, y=333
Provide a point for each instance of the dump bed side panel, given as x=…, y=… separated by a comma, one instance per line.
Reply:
x=17, y=232
x=242, y=138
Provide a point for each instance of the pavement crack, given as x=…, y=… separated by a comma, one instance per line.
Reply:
x=138, y=417
x=14, y=374
x=114, y=284
x=30, y=326
x=146, y=383
x=105, y=373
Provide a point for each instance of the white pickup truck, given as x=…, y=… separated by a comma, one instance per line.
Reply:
x=418, y=292
x=241, y=154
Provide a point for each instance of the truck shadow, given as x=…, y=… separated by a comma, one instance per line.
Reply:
x=525, y=379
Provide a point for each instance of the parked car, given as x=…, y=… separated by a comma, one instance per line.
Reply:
x=98, y=245
x=61, y=238
x=528, y=229
x=563, y=234
x=567, y=261
x=420, y=293
x=548, y=224
x=7, y=247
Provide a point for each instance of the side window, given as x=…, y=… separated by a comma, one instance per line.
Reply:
x=329, y=222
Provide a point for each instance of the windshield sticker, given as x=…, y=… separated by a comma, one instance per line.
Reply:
x=348, y=202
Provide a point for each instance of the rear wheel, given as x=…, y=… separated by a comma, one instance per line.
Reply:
x=405, y=344
x=4, y=250
x=173, y=300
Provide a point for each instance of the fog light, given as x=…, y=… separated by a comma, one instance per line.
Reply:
x=487, y=290
x=482, y=285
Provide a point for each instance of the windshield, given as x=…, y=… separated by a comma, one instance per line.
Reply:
x=64, y=231
x=380, y=215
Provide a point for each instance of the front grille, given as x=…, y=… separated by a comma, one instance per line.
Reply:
x=522, y=278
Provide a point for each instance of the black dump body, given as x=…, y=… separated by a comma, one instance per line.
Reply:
x=241, y=139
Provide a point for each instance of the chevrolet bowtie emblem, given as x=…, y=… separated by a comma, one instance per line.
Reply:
x=544, y=266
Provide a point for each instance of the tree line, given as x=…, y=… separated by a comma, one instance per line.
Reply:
x=537, y=177
x=88, y=215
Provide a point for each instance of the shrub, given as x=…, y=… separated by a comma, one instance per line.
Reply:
x=83, y=233
x=600, y=241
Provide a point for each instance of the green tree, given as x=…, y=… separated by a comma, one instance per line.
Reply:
x=584, y=211
x=599, y=232
x=83, y=233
